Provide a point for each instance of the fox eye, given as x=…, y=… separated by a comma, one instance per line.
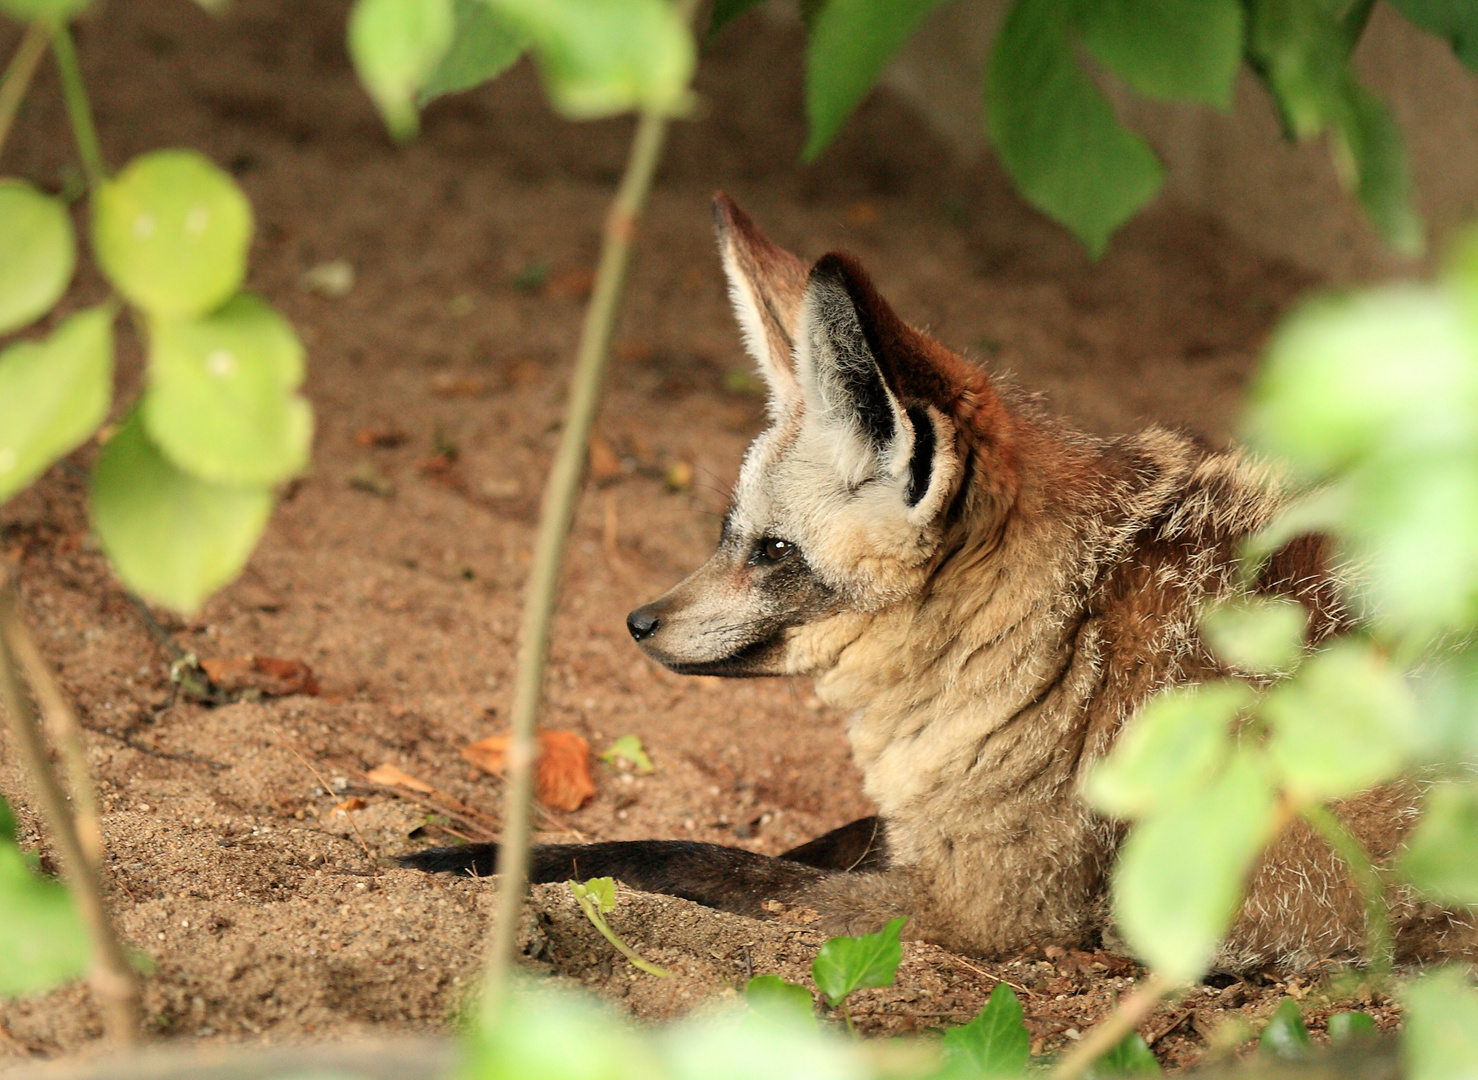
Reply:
x=772, y=549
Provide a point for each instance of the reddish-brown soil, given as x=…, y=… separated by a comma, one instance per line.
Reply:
x=397, y=576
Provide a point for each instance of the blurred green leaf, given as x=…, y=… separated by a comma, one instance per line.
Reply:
x=1056, y=134
x=850, y=44
x=171, y=231
x=1446, y=691
x=996, y=1042
x=1130, y=1056
x=8, y=827
x=483, y=47
x=1301, y=49
x=1371, y=155
x=1441, y=858
x=1347, y=1027
x=53, y=395
x=1257, y=634
x=845, y=964
x=1456, y=21
x=601, y=57
x=220, y=403
x=37, y=253
x=726, y=11
x=629, y=748
x=1342, y=725
x=42, y=940
x=1172, y=748
x=556, y=1035
x=1186, y=50
x=28, y=10
x=1441, y=1037
x=1181, y=871
x=396, y=46
x=172, y=538
x=777, y=1046
x=773, y=997
x=1344, y=377
x=1300, y=52
x=1285, y=1036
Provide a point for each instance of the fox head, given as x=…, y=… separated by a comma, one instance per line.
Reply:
x=882, y=441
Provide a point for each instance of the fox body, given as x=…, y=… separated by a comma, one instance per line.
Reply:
x=989, y=595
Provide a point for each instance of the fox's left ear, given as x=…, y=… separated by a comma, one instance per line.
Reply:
x=868, y=381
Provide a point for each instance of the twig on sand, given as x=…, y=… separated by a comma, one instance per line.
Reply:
x=328, y=789
x=113, y=981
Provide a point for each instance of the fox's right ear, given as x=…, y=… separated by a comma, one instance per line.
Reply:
x=766, y=286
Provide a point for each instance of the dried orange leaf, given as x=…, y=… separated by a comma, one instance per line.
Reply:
x=354, y=802
x=392, y=776
x=563, y=779
x=268, y=675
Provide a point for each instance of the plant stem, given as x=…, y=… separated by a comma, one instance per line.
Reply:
x=598, y=921
x=1367, y=879
x=66, y=734
x=113, y=982
x=1115, y=1026
x=555, y=515
x=78, y=109
x=18, y=75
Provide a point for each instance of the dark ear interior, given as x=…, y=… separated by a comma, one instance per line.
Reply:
x=850, y=373
x=921, y=462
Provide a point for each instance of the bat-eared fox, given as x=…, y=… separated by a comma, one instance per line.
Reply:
x=988, y=594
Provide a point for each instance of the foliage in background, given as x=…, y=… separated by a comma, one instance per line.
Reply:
x=1057, y=133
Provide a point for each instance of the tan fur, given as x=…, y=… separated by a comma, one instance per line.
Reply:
x=990, y=641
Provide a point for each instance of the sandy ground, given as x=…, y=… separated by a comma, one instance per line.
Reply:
x=270, y=913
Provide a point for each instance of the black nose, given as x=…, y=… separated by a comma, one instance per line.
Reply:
x=642, y=623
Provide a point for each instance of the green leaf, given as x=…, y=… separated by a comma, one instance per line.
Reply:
x=726, y=11
x=29, y=10
x=629, y=748
x=1456, y=21
x=483, y=47
x=1056, y=134
x=42, y=940
x=172, y=538
x=1257, y=635
x=1347, y=1027
x=845, y=964
x=600, y=891
x=1301, y=49
x=1298, y=48
x=1186, y=50
x=171, y=232
x=1173, y=747
x=551, y=1034
x=996, y=1042
x=1371, y=149
x=1342, y=725
x=8, y=827
x=396, y=46
x=773, y=997
x=850, y=45
x=1285, y=1036
x=37, y=253
x=1179, y=881
x=1441, y=858
x=1130, y=1056
x=601, y=57
x=53, y=395
x=1441, y=1037
x=220, y=402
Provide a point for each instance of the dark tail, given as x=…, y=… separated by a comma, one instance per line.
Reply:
x=730, y=879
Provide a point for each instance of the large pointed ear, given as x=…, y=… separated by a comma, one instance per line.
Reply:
x=766, y=284
x=870, y=381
